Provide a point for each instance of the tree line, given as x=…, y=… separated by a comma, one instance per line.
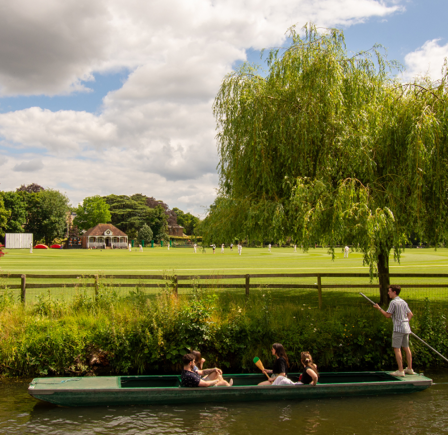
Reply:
x=44, y=212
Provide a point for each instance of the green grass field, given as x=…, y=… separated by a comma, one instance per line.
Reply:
x=183, y=261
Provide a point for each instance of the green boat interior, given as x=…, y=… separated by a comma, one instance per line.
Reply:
x=173, y=381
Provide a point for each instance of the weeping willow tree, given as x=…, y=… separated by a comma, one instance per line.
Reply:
x=329, y=148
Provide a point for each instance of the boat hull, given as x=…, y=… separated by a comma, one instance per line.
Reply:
x=115, y=391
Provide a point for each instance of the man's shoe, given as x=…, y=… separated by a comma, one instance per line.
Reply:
x=409, y=371
x=398, y=374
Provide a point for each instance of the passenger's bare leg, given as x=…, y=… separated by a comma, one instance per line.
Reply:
x=212, y=376
x=224, y=383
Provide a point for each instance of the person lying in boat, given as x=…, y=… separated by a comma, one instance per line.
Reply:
x=281, y=364
x=309, y=376
x=192, y=379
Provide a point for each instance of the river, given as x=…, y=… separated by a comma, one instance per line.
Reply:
x=419, y=413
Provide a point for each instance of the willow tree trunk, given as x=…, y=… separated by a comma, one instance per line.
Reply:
x=383, y=275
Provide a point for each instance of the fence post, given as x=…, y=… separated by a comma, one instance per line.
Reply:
x=175, y=285
x=23, y=293
x=247, y=284
x=319, y=290
x=96, y=286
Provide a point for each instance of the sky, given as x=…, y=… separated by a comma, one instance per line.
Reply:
x=100, y=97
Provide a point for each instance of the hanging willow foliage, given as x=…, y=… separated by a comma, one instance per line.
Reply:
x=328, y=148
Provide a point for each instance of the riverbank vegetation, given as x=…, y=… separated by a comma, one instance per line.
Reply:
x=142, y=334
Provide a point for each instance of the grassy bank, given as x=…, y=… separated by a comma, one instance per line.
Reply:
x=137, y=333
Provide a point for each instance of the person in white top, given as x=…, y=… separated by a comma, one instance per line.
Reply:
x=295, y=248
x=401, y=315
x=141, y=248
x=222, y=248
x=168, y=246
x=240, y=248
x=346, y=251
x=194, y=247
x=269, y=247
x=130, y=249
x=31, y=248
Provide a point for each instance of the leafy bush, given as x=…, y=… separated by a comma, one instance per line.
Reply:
x=148, y=334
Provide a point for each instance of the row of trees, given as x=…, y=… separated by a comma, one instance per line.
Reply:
x=329, y=147
x=44, y=213
x=36, y=210
x=131, y=213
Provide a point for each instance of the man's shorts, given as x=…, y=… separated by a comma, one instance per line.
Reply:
x=399, y=339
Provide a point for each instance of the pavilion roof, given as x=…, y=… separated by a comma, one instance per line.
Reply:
x=100, y=229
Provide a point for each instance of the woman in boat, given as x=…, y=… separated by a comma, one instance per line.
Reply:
x=309, y=376
x=206, y=374
x=192, y=379
x=281, y=364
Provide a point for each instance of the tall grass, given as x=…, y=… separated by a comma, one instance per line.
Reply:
x=142, y=334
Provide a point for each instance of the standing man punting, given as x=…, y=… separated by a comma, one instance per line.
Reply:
x=401, y=315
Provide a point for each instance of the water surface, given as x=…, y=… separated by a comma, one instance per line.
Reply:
x=419, y=413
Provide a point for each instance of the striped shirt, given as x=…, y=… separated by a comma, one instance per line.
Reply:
x=399, y=310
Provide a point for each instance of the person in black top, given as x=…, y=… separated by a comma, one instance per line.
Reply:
x=281, y=364
x=310, y=374
x=192, y=379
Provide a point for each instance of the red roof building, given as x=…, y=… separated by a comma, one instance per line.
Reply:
x=104, y=236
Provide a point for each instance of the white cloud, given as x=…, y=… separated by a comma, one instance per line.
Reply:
x=154, y=135
x=57, y=132
x=426, y=60
x=50, y=47
x=30, y=166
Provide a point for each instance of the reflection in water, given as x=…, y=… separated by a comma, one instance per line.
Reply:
x=417, y=413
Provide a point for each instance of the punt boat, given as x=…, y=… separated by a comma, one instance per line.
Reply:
x=166, y=389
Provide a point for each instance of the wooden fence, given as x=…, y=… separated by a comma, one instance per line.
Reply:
x=175, y=281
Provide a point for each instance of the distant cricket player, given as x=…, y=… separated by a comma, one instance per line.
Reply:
x=269, y=247
x=194, y=247
x=346, y=251
x=222, y=248
x=240, y=248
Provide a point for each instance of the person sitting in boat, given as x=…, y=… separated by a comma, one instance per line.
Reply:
x=192, y=379
x=281, y=364
x=198, y=367
x=309, y=376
